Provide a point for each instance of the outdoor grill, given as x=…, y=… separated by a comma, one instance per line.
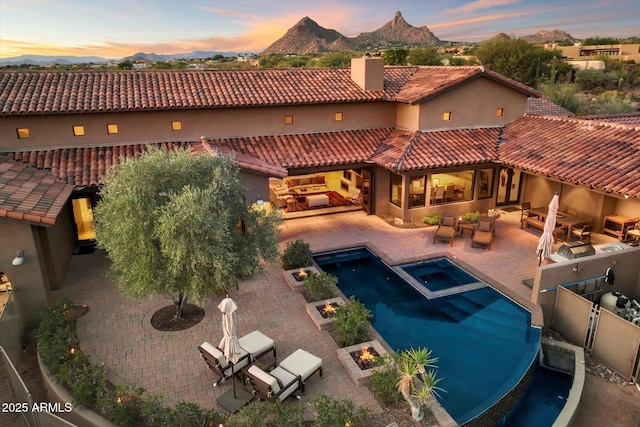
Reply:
x=576, y=250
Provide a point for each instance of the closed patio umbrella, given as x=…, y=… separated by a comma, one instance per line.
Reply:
x=229, y=344
x=544, y=244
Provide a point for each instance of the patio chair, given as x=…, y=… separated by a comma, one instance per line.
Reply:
x=583, y=234
x=252, y=347
x=289, y=376
x=484, y=231
x=446, y=229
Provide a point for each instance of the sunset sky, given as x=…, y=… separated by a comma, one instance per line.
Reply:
x=118, y=28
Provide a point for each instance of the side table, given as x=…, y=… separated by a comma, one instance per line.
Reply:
x=464, y=225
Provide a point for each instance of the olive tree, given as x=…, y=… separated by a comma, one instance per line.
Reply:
x=175, y=223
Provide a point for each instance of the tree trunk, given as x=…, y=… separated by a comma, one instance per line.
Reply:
x=180, y=304
x=416, y=410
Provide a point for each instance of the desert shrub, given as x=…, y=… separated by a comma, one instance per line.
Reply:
x=124, y=406
x=297, y=254
x=352, y=321
x=384, y=379
x=321, y=286
x=267, y=414
x=432, y=219
x=331, y=412
x=470, y=216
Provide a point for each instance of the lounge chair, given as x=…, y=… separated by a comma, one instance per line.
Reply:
x=289, y=376
x=484, y=231
x=253, y=346
x=446, y=229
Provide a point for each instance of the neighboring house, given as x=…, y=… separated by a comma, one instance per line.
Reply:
x=624, y=52
x=394, y=141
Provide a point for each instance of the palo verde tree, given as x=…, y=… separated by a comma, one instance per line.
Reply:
x=174, y=223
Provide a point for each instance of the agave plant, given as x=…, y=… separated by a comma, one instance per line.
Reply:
x=416, y=384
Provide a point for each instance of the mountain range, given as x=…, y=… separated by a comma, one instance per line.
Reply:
x=304, y=37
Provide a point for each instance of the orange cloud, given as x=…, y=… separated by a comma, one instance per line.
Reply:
x=479, y=5
x=486, y=18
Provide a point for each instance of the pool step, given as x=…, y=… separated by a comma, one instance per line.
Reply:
x=490, y=319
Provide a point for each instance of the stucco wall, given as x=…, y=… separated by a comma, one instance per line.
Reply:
x=58, y=246
x=473, y=104
x=29, y=280
x=142, y=127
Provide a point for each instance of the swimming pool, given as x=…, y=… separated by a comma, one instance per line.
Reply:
x=484, y=341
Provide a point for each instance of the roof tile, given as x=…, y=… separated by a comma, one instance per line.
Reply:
x=30, y=194
x=594, y=154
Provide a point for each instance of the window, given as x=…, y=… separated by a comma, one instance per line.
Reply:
x=446, y=115
x=78, y=130
x=417, y=191
x=396, y=189
x=339, y=117
x=500, y=112
x=452, y=187
x=176, y=125
x=23, y=133
x=486, y=183
x=112, y=129
x=288, y=119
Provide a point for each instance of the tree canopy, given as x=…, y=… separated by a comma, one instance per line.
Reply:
x=170, y=222
x=520, y=60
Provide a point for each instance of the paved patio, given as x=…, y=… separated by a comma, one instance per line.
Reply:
x=118, y=332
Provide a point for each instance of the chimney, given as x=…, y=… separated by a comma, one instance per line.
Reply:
x=368, y=72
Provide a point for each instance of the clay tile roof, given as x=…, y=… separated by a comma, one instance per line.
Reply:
x=85, y=166
x=595, y=154
x=28, y=93
x=309, y=150
x=244, y=161
x=430, y=81
x=28, y=194
x=407, y=151
x=632, y=119
x=545, y=107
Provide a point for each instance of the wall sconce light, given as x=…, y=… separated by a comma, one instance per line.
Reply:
x=626, y=196
x=259, y=201
x=19, y=259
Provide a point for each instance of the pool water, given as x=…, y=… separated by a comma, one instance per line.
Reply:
x=484, y=341
x=542, y=401
x=438, y=274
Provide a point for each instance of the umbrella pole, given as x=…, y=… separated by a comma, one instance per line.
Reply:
x=233, y=381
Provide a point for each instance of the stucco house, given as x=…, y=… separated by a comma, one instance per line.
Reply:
x=394, y=141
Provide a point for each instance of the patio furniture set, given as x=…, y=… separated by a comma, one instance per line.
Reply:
x=482, y=232
x=568, y=222
x=268, y=382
